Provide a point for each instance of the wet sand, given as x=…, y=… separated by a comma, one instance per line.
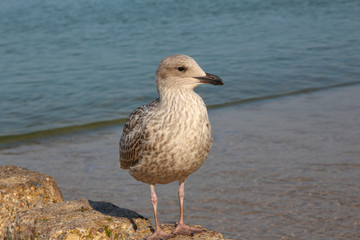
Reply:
x=286, y=168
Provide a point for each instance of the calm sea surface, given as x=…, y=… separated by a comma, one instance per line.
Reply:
x=69, y=63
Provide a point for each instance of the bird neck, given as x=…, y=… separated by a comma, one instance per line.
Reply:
x=174, y=97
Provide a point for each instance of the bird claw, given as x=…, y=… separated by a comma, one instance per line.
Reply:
x=182, y=229
x=160, y=235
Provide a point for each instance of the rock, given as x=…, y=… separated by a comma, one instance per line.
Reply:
x=79, y=219
x=22, y=189
x=32, y=207
x=206, y=235
x=85, y=219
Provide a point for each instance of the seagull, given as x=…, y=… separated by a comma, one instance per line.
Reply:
x=169, y=138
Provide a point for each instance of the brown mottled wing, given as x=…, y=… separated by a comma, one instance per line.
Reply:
x=133, y=135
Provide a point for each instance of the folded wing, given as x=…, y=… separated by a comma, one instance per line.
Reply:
x=131, y=141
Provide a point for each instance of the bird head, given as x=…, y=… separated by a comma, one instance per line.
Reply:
x=182, y=72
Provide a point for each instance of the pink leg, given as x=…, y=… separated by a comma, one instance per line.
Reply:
x=159, y=233
x=181, y=228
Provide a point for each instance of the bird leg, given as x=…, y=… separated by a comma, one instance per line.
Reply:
x=181, y=228
x=159, y=233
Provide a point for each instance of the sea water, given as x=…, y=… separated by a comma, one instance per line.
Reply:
x=67, y=64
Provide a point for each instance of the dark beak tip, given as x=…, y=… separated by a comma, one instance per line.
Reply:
x=219, y=82
x=211, y=79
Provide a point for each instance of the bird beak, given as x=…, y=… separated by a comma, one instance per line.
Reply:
x=211, y=79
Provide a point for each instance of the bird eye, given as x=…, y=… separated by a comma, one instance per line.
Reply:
x=181, y=69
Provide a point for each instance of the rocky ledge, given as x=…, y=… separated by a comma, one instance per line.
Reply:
x=22, y=189
x=32, y=207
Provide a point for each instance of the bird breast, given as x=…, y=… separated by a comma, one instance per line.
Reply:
x=177, y=140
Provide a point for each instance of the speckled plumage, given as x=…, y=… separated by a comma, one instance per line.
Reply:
x=169, y=138
x=160, y=146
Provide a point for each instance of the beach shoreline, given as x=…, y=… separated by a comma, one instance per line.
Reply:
x=280, y=168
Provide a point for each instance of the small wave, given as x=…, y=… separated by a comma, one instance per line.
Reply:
x=286, y=94
x=10, y=141
x=34, y=137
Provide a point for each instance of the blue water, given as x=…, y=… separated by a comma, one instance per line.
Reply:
x=69, y=63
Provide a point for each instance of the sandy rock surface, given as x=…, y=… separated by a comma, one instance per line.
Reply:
x=78, y=219
x=22, y=189
x=206, y=235
x=32, y=207
x=85, y=219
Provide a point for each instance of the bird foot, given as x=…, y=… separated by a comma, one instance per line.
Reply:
x=182, y=229
x=160, y=235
